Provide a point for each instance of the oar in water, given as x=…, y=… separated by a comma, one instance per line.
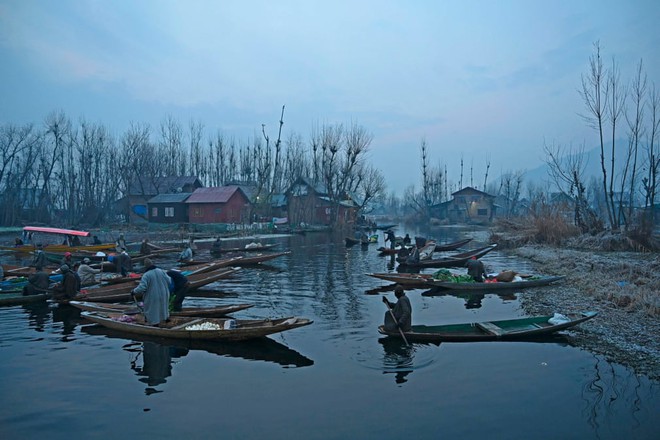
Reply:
x=387, y=303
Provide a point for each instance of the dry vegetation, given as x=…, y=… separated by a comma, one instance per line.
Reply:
x=606, y=273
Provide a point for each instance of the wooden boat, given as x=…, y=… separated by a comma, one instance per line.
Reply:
x=451, y=246
x=500, y=285
x=386, y=227
x=388, y=251
x=263, y=247
x=58, y=247
x=210, y=266
x=259, y=349
x=511, y=329
x=122, y=292
x=350, y=241
x=14, y=299
x=128, y=309
x=454, y=260
x=184, y=327
x=405, y=279
x=259, y=258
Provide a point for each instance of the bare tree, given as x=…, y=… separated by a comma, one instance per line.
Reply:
x=595, y=92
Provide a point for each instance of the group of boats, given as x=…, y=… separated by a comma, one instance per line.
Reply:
x=101, y=303
x=512, y=329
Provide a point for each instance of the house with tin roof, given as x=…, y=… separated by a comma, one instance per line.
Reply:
x=168, y=208
x=221, y=204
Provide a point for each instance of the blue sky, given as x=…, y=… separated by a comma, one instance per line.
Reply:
x=481, y=80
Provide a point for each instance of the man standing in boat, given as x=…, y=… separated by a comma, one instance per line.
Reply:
x=155, y=288
x=39, y=260
x=391, y=238
x=402, y=312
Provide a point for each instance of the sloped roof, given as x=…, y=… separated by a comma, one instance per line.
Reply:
x=318, y=187
x=162, y=185
x=215, y=194
x=470, y=190
x=169, y=198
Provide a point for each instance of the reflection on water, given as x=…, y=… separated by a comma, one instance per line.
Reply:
x=353, y=372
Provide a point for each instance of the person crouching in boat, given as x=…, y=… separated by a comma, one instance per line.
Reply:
x=476, y=269
x=67, y=289
x=187, y=255
x=87, y=273
x=38, y=283
x=402, y=311
x=155, y=289
x=181, y=285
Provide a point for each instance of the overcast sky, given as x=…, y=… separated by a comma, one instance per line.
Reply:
x=481, y=80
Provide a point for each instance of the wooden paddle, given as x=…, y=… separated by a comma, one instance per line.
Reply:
x=387, y=303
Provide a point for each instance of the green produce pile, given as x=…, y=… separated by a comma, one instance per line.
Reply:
x=447, y=276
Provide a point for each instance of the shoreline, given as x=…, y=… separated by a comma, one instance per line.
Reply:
x=623, y=287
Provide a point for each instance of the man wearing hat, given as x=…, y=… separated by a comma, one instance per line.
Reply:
x=39, y=260
x=66, y=289
x=155, y=289
x=87, y=273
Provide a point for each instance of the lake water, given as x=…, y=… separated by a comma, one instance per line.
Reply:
x=63, y=378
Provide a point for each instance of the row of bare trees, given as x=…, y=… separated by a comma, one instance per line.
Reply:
x=75, y=172
x=629, y=174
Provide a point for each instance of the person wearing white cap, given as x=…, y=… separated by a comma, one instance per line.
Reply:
x=87, y=273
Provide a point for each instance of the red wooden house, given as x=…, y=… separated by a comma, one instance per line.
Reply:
x=223, y=204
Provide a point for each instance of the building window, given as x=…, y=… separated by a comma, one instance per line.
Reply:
x=460, y=199
x=154, y=212
x=217, y=210
x=198, y=211
x=482, y=212
x=169, y=211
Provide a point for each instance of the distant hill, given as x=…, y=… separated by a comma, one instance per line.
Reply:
x=541, y=176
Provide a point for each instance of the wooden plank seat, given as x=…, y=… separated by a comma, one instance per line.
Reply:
x=491, y=328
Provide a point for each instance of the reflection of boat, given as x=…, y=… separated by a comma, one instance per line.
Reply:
x=500, y=285
x=13, y=299
x=452, y=260
x=211, y=312
x=511, y=329
x=209, y=328
x=451, y=246
x=261, y=349
x=350, y=241
x=385, y=227
x=405, y=279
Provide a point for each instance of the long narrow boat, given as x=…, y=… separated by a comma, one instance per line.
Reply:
x=511, y=329
x=122, y=292
x=405, y=279
x=263, y=247
x=500, y=285
x=192, y=328
x=451, y=246
x=210, y=266
x=350, y=241
x=128, y=309
x=259, y=258
x=14, y=299
x=58, y=247
x=454, y=260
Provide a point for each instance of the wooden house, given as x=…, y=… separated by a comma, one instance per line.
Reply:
x=224, y=204
x=468, y=205
x=168, y=208
x=309, y=203
x=142, y=189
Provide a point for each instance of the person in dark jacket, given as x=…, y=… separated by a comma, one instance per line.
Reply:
x=476, y=269
x=67, y=289
x=39, y=260
x=391, y=238
x=38, y=283
x=181, y=285
x=402, y=311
